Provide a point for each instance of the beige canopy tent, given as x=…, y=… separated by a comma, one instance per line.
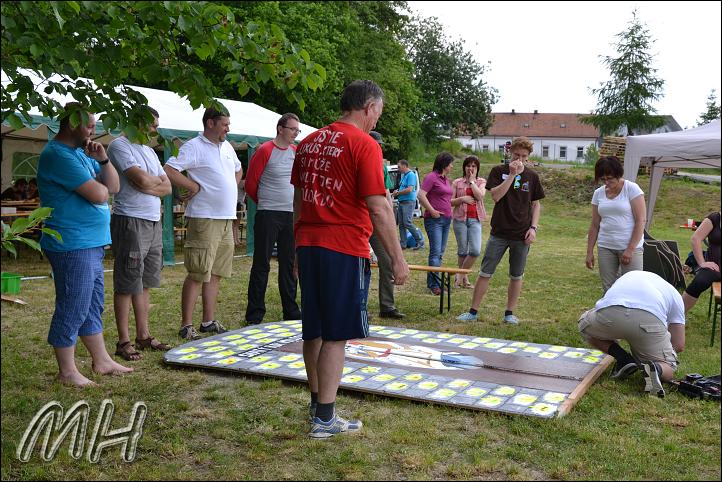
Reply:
x=696, y=148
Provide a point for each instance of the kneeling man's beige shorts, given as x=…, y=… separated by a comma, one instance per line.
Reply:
x=208, y=248
x=646, y=334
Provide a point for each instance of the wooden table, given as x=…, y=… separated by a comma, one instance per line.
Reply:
x=443, y=274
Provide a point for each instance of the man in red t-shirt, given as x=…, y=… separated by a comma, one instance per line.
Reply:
x=339, y=199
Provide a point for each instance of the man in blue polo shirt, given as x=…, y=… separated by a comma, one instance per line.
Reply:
x=75, y=179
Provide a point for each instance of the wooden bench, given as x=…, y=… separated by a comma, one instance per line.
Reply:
x=443, y=274
x=714, y=293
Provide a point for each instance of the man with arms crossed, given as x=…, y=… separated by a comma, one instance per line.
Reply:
x=137, y=239
x=75, y=178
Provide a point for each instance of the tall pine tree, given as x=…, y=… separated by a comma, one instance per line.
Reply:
x=625, y=100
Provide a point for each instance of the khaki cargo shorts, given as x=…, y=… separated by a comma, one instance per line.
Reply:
x=646, y=334
x=208, y=249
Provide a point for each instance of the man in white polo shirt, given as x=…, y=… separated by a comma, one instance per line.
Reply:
x=214, y=172
x=648, y=312
x=268, y=183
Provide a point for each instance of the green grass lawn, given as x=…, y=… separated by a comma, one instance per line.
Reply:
x=208, y=425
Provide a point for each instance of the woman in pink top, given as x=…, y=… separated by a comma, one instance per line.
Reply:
x=435, y=196
x=469, y=212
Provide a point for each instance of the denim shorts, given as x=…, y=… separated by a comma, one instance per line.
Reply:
x=79, y=295
x=468, y=237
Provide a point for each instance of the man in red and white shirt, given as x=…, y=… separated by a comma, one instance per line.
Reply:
x=268, y=183
x=340, y=198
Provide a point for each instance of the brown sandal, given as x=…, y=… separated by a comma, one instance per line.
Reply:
x=151, y=343
x=127, y=351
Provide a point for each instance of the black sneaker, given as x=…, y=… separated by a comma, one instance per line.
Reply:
x=187, y=332
x=213, y=327
x=622, y=372
x=652, y=383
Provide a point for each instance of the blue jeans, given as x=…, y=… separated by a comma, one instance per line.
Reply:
x=468, y=237
x=437, y=230
x=406, y=212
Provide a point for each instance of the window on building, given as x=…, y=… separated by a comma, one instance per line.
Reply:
x=562, y=125
x=526, y=124
x=485, y=148
x=562, y=152
x=545, y=152
x=580, y=153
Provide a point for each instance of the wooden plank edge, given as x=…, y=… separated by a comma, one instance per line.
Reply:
x=582, y=388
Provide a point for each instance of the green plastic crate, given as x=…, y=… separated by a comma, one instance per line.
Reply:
x=10, y=283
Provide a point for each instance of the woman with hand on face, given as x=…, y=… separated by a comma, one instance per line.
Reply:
x=469, y=212
x=618, y=219
x=435, y=196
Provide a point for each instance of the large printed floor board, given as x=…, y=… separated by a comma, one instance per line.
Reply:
x=466, y=371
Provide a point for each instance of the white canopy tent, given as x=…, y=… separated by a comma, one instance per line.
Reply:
x=250, y=126
x=698, y=148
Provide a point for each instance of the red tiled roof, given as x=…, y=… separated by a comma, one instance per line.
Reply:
x=540, y=125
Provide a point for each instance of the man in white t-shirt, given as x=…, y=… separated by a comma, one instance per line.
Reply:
x=648, y=312
x=214, y=172
x=137, y=235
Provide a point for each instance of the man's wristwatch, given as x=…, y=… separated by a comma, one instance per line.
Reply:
x=102, y=163
x=533, y=227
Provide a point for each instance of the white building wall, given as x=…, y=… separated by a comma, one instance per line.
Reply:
x=554, y=145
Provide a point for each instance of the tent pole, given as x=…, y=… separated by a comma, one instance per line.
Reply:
x=250, y=212
x=168, y=237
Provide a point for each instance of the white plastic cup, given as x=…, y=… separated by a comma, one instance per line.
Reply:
x=690, y=222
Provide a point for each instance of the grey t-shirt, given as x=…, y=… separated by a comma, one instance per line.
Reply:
x=129, y=201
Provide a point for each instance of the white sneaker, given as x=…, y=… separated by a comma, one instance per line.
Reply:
x=323, y=430
x=652, y=383
x=511, y=319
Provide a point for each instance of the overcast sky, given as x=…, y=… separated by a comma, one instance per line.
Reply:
x=546, y=55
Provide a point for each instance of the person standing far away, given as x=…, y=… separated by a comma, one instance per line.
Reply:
x=406, y=195
x=137, y=234
x=214, y=172
x=268, y=183
x=469, y=212
x=387, y=305
x=75, y=178
x=339, y=199
x=516, y=190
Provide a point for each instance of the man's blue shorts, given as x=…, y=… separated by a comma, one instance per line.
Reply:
x=334, y=293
